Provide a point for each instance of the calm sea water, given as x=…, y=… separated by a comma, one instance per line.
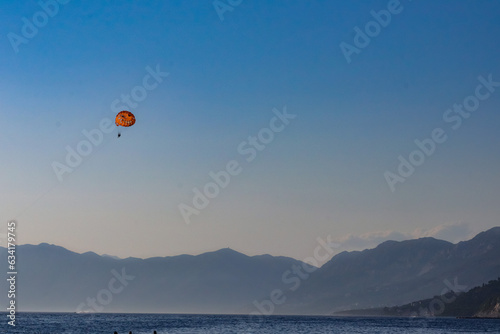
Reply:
x=65, y=323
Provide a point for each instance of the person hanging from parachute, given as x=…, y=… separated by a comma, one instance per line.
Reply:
x=124, y=118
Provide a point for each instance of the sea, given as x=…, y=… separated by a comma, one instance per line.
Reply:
x=72, y=323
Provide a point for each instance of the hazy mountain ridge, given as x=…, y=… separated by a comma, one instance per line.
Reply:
x=52, y=278
x=482, y=301
x=396, y=273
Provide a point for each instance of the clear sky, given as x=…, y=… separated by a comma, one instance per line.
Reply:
x=321, y=174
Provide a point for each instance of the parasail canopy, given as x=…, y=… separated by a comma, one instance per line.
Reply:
x=125, y=118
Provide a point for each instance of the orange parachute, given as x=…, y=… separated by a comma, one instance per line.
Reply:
x=124, y=118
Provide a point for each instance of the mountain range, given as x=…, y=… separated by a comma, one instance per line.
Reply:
x=396, y=273
x=53, y=279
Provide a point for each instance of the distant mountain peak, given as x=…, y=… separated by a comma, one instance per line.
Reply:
x=224, y=252
x=411, y=243
x=493, y=232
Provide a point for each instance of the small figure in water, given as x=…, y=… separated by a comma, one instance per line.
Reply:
x=119, y=134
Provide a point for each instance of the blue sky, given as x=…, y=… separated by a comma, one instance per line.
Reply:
x=322, y=175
